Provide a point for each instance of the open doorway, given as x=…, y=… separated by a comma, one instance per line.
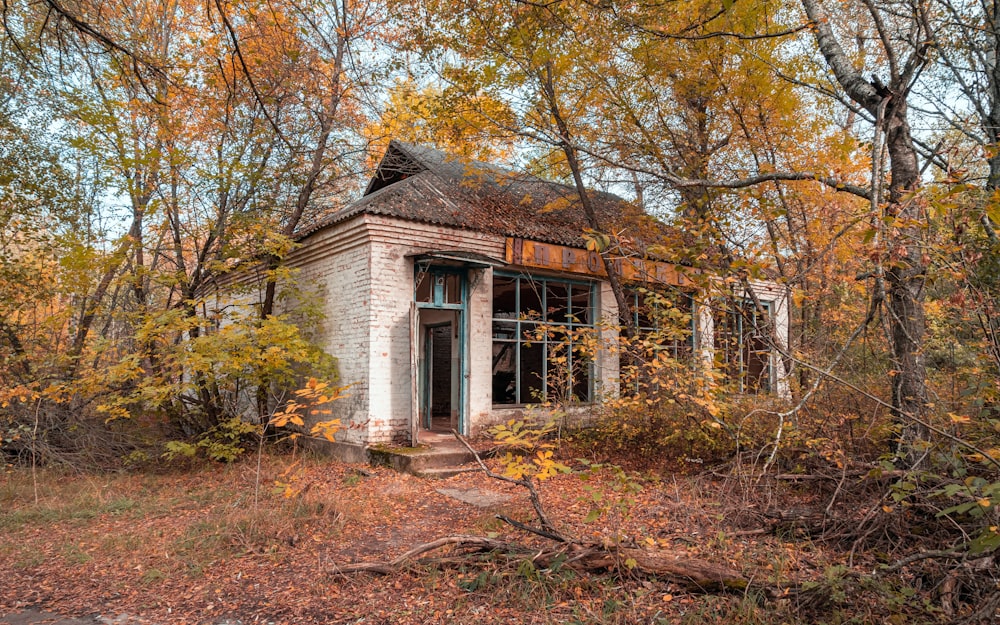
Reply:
x=438, y=339
x=441, y=354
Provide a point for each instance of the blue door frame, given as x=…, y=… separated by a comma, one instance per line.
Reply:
x=437, y=298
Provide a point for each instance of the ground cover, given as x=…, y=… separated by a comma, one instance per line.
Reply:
x=213, y=542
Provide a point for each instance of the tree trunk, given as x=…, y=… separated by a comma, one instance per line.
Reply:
x=906, y=277
x=569, y=151
x=904, y=259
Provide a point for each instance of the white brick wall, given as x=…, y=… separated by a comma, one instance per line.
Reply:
x=392, y=242
x=363, y=271
x=335, y=262
x=481, y=349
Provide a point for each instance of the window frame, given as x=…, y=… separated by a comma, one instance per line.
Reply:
x=438, y=292
x=742, y=310
x=522, y=325
x=676, y=347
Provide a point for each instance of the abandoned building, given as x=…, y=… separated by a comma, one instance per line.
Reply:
x=437, y=281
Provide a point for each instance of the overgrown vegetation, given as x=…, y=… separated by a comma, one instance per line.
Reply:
x=153, y=151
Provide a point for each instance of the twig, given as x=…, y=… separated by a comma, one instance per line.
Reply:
x=868, y=517
x=532, y=530
x=757, y=532
x=836, y=493
x=949, y=554
x=536, y=501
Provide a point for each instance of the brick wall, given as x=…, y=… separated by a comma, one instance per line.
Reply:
x=363, y=272
x=334, y=264
x=392, y=241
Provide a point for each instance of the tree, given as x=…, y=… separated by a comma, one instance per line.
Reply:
x=443, y=119
x=905, y=38
x=617, y=89
x=218, y=128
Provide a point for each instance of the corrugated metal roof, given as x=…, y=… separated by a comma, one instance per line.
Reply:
x=426, y=185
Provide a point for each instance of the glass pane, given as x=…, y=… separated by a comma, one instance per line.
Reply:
x=686, y=347
x=504, y=373
x=581, y=381
x=556, y=302
x=532, y=372
x=504, y=297
x=531, y=299
x=684, y=302
x=533, y=332
x=727, y=353
x=644, y=312
x=756, y=354
x=453, y=288
x=506, y=330
x=582, y=311
x=758, y=368
x=439, y=289
x=558, y=372
x=423, y=289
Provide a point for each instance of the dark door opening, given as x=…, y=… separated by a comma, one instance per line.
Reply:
x=441, y=395
x=438, y=343
x=440, y=382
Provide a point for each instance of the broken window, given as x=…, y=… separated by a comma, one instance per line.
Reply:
x=666, y=316
x=539, y=328
x=664, y=322
x=742, y=349
x=438, y=286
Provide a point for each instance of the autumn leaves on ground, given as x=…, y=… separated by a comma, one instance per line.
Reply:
x=205, y=544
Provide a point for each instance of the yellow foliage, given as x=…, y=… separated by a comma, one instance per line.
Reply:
x=314, y=393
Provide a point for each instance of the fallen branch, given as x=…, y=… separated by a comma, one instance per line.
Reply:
x=942, y=554
x=693, y=573
x=866, y=473
x=532, y=530
x=475, y=543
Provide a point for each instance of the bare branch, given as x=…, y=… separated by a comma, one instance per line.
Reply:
x=664, y=34
x=477, y=543
x=833, y=183
x=883, y=35
x=526, y=483
x=91, y=31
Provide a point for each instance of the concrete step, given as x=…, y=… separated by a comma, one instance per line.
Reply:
x=426, y=460
x=442, y=473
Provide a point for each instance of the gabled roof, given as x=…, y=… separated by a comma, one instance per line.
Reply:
x=426, y=185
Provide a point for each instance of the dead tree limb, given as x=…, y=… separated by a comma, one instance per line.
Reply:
x=533, y=530
x=693, y=573
x=474, y=543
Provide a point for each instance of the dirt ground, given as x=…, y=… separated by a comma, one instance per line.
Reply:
x=193, y=546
